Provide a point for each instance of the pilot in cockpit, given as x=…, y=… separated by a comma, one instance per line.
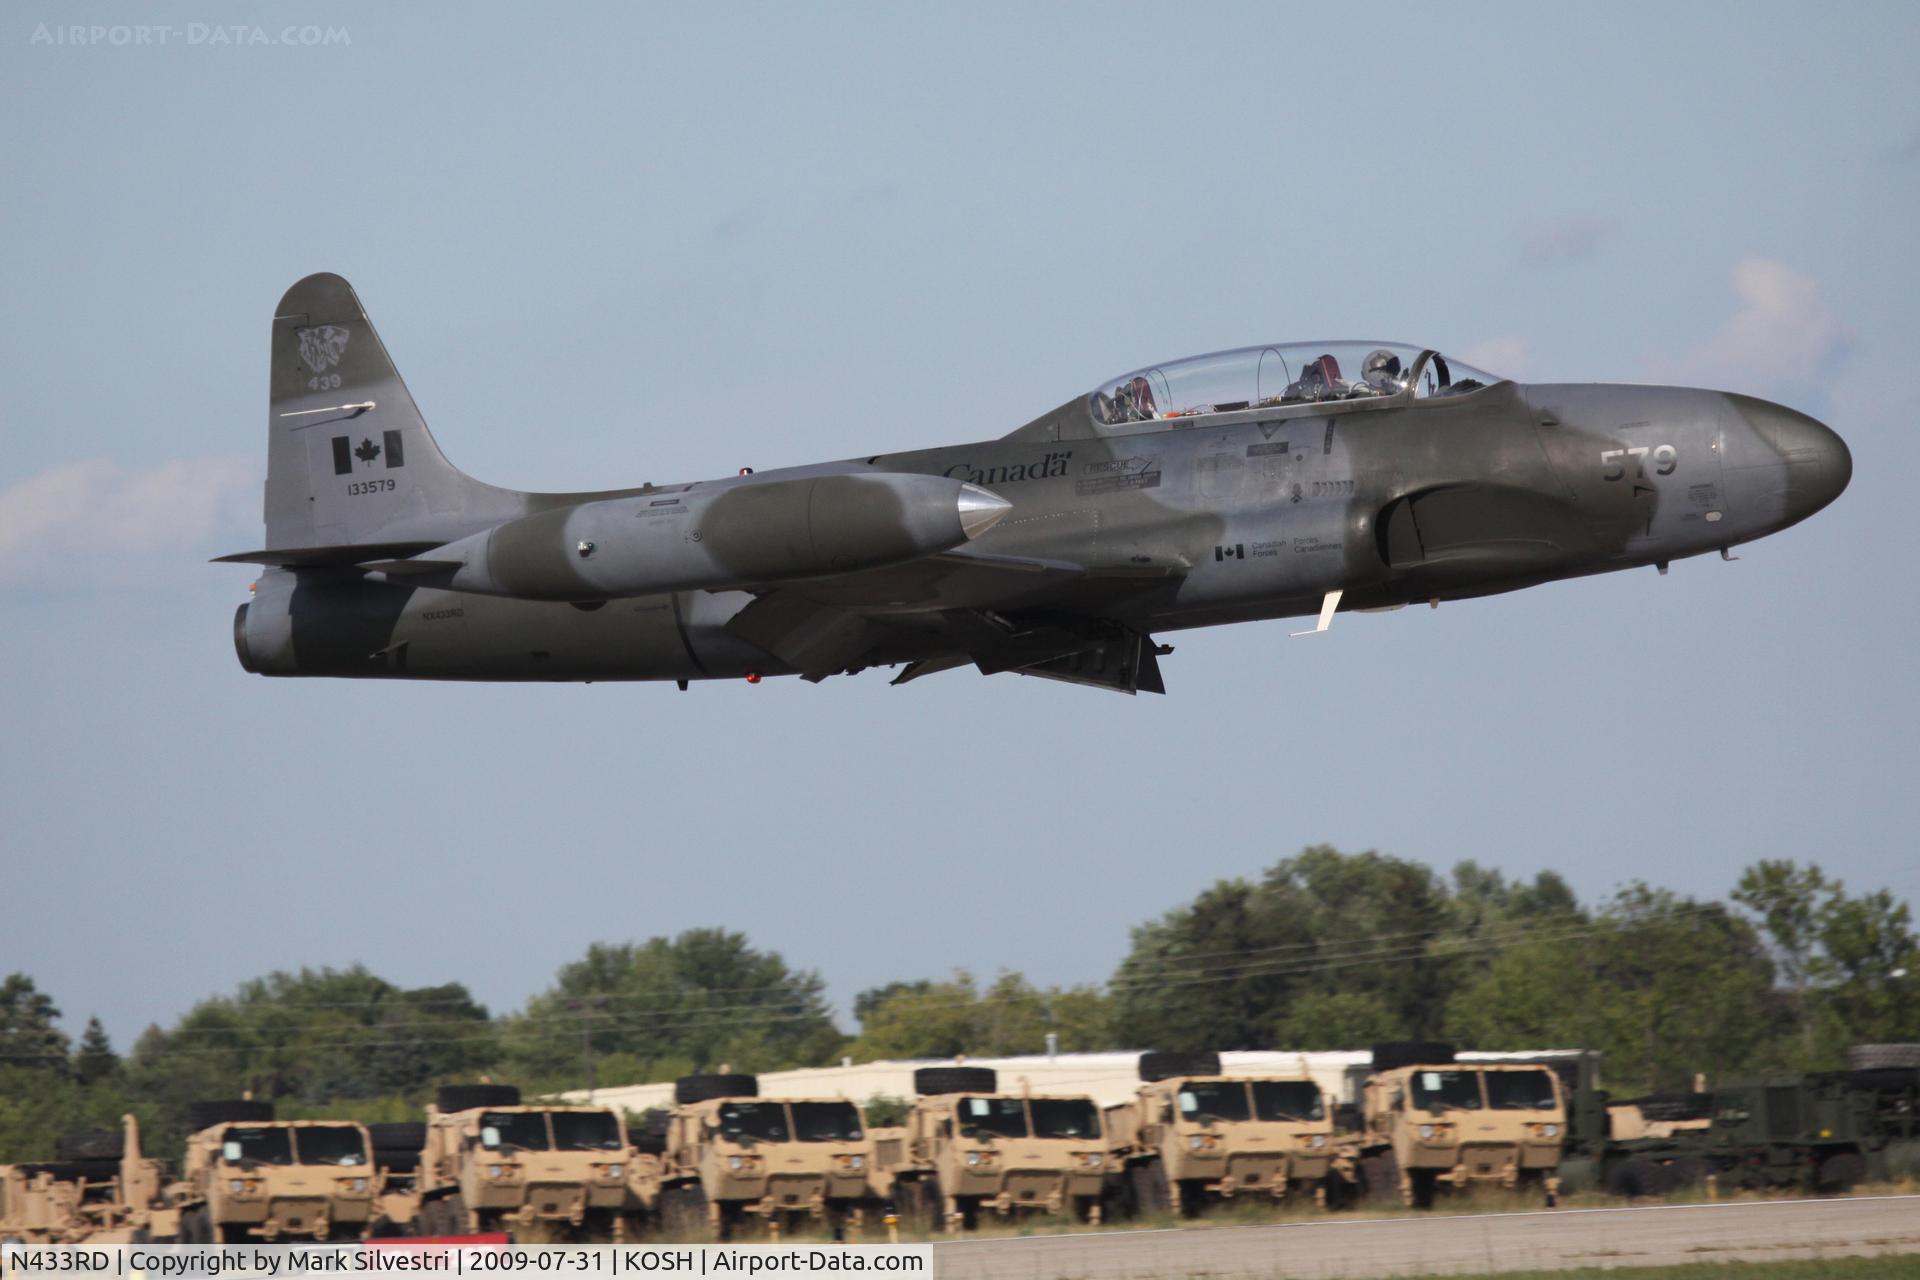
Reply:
x=1132, y=401
x=1381, y=371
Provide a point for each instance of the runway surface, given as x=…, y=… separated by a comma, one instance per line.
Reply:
x=1462, y=1244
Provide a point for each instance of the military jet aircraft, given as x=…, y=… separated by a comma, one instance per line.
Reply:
x=1291, y=480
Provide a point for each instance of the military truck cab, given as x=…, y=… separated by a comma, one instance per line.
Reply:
x=248, y=1176
x=1192, y=1134
x=539, y=1173
x=731, y=1157
x=967, y=1148
x=1436, y=1123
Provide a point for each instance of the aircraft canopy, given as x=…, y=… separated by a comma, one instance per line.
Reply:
x=1281, y=375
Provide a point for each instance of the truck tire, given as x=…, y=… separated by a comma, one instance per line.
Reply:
x=1147, y=1187
x=403, y=1135
x=931, y=1082
x=426, y=1223
x=705, y=1088
x=1884, y=1080
x=649, y=1137
x=1874, y=1057
x=471, y=1097
x=205, y=1115
x=196, y=1226
x=1675, y=1106
x=1380, y=1177
x=1637, y=1178
x=683, y=1211
x=74, y=1170
x=453, y=1211
x=1389, y=1054
x=1167, y=1064
x=1842, y=1171
x=93, y=1144
x=921, y=1205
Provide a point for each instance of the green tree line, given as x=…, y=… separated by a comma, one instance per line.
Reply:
x=1323, y=950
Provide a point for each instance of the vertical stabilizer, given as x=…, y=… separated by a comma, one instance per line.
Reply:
x=350, y=462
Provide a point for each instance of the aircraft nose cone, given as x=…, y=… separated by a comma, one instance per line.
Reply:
x=1817, y=463
x=980, y=509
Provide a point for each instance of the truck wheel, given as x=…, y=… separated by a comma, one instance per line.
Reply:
x=94, y=1144
x=404, y=1135
x=1380, y=1177
x=1193, y=1197
x=1389, y=1054
x=1637, y=1177
x=1167, y=1064
x=931, y=1082
x=683, y=1211
x=705, y=1088
x=1875, y=1057
x=1148, y=1183
x=205, y=1115
x=471, y=1097
x=921, y=1205
x=1686, y=1171
x=1841, y=1172
x=1420, y=1183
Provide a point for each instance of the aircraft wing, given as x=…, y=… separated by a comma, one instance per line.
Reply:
x=977, y=606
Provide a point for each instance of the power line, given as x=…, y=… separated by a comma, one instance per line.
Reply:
x=652, y=1019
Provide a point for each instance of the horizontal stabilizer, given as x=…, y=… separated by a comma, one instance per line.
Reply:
x=310, y=557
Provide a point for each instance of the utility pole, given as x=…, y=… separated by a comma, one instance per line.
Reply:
x=586, y=1042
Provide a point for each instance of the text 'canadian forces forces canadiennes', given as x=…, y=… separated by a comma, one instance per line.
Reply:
x=1290, y=480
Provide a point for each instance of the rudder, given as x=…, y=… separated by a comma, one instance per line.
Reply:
x=350, y=462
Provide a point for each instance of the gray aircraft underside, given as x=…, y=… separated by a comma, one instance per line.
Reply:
x=1272, y=482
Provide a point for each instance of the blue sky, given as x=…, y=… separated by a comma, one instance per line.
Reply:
x=615, y=243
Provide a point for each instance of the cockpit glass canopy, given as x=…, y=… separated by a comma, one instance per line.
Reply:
x=1279, y=376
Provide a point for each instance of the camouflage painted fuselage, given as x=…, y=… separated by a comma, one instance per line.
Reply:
x=1112, y=535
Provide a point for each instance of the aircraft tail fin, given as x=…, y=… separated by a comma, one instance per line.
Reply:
x=350, y=461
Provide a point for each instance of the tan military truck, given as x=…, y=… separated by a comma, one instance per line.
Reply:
x=968, y=1148
x=1191, y=1134
x=99, y=1190
x=731, y=1157
x=247, y=1176
x=540, y=1173
x=1429, y=1122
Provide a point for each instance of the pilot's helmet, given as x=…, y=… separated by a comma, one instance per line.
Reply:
x=1381, y=369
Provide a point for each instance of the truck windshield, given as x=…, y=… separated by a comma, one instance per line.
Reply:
x=262, y=1146
x=1444, y=1090
x=526, y=1130
x=1214, y=1100
x=1064, y=1118
x=1520, y=1091
x=331, y=1144
x=754, y=1121
x=585, y=1131
x=1287, y=1100
x=826, y=1122
x=1001, y=1117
